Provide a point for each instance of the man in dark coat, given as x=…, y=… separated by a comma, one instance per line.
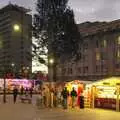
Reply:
x=15, y=93
x=65, y=94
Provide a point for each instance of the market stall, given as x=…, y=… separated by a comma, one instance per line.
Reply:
x=79, y=86
x=104, y=93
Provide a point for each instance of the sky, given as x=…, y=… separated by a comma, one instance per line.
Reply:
x=84, y=10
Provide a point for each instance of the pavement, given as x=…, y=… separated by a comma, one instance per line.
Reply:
x=25, y=111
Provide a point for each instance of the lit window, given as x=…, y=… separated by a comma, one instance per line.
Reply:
x=118, y=54
x=104, y=43
x=97, y=56
x=118, y=40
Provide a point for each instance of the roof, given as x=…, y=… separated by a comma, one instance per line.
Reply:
x=112, y=81
x=14, y=7
x=92, y=28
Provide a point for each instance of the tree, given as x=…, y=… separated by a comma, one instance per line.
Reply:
x=54, y=29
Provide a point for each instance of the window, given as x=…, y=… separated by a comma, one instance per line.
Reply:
x=97, y=56
x=118, y=54
x=97, y=44
x=97, y=68
x=103, y=56
x=63, y=71
x=79, y=70
x=104, y=44
x=118, y=40
x=69, y=70
x=85, y=69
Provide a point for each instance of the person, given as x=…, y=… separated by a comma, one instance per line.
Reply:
x=65, y=94
x=39, y=100
x=31, y=92
x=51, y=97
x=15, y=93
x=73, y=96
x=58, y=98
x=26, y=92
x=44, y=96
x=22, y=90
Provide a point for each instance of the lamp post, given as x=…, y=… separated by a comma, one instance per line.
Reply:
x=50, y=70
x=16, y=28
x=4, y=91
x=51, y=62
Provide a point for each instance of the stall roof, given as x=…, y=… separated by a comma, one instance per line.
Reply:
x=80, y=81
x=112, y=81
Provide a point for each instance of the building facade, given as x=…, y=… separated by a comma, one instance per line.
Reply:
x=100, y=53
x=15, y=38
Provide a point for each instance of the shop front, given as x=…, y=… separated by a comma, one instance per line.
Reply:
x=104, y=93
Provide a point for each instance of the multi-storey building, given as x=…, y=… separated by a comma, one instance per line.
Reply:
x=15, y=38
x=100, y=53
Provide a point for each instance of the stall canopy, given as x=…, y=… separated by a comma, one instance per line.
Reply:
x=112, y=81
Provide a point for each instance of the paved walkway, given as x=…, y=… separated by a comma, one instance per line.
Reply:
x=19, y=111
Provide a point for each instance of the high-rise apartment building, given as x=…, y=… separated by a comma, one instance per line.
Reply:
x=15, y=38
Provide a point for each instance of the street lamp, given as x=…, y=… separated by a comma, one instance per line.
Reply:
x=4, y=91
x=13, y=65
x=51, y=72
x=16, y=27
x=51, y=61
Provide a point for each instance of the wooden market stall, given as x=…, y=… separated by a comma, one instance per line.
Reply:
x=104, y=93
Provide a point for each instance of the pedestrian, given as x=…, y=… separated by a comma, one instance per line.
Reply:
x=65, y=94
x=52, y=98
x=31, y=92
x=73, y=96
x=44, y=96
x=26, y=92
x=58, y=98
x=15, y=93
x=22, y=90
x=39, y=100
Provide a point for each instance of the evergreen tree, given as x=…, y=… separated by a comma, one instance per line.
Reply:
x=54, y=29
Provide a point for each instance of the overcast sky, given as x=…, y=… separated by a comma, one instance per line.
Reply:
x=85, y=10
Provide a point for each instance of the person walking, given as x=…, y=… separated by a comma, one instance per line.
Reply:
x=15, y=93
x=73, y=96
x=22, y=91
x=51, y=97
x=65, y=94
x=31, y=92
